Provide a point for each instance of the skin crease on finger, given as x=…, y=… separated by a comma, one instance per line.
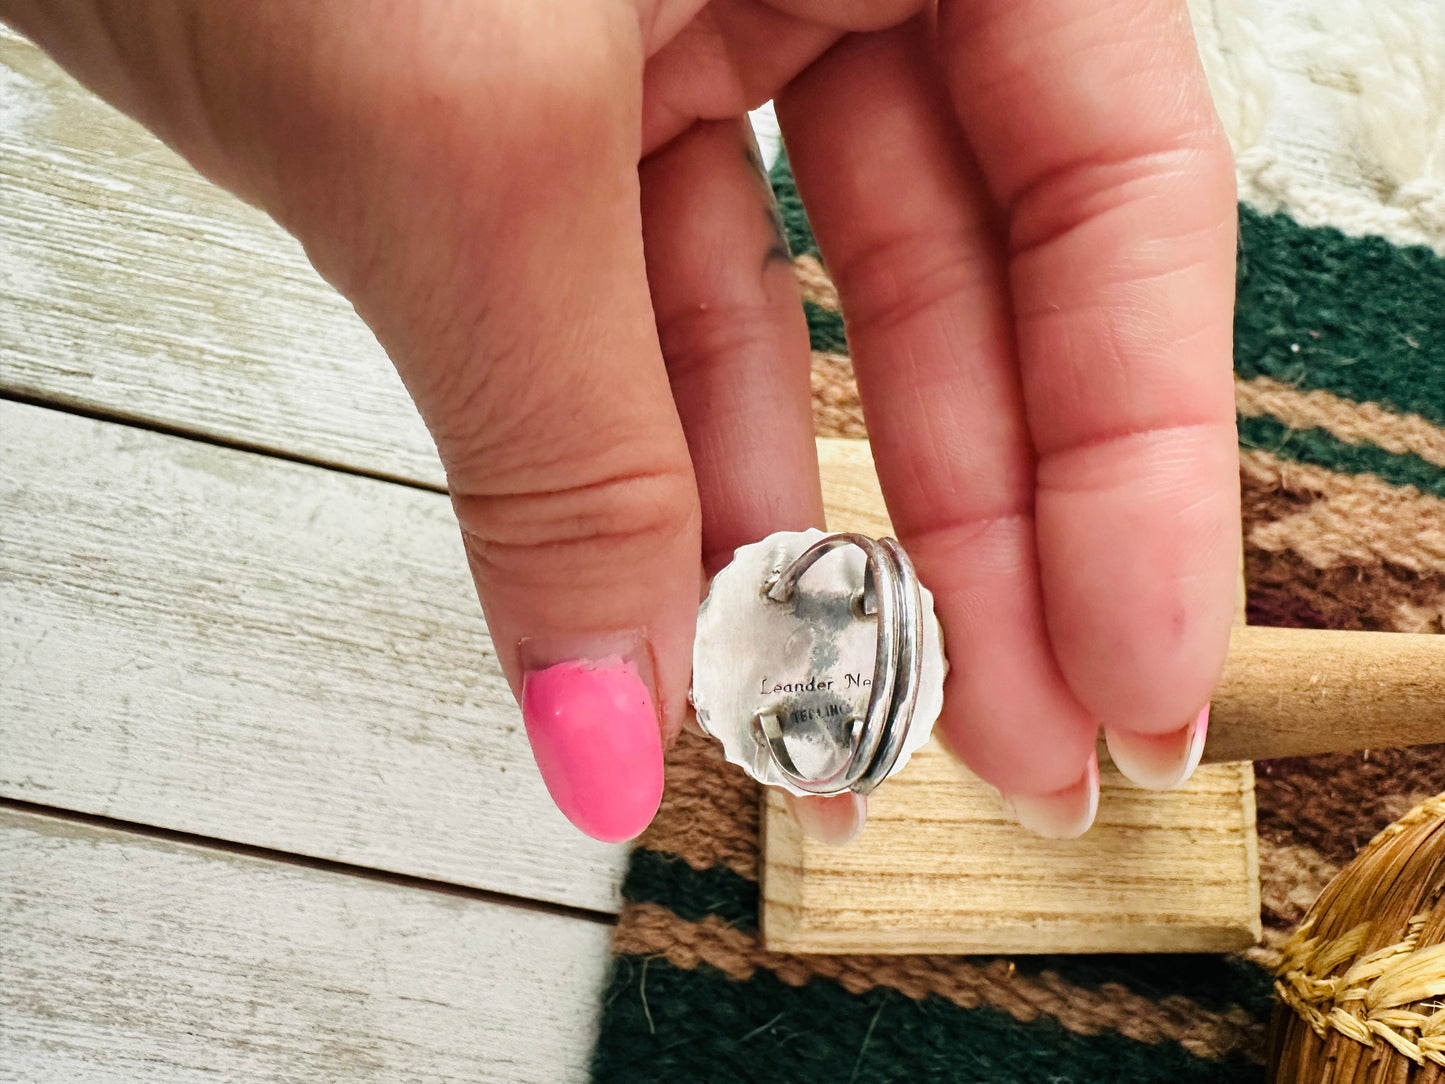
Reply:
x=463, y=205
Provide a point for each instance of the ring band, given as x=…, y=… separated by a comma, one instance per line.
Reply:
x=891, y=589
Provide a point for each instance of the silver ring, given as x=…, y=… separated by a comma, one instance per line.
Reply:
x=891, y=592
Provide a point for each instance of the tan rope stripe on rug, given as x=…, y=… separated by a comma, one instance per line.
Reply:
x=709, y=813
x=1323, y=516
x=837, y=410
x=1352, y=422
x=651, y=930
x=1327, y=517
x=814, y=283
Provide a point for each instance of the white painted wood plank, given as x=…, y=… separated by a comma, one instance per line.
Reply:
x=252, y=649
x=130, y=285
x=127, y=958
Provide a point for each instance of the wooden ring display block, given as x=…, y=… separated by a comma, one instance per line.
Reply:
x=942, y=868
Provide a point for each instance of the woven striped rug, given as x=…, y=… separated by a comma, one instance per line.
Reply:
x=1340, y=379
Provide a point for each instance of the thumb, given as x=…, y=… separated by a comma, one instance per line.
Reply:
x=505, y=275
x=468, y=179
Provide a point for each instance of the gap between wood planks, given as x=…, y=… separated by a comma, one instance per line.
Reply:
x=304, y=861
x=63, y=406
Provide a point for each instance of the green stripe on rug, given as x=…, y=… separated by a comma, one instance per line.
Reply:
x=1320, y=448
x=1316, y=309
x=1213, y=982
x=825, y=329
x=790, y=208
x=655, y=877
x=1353, y=315
x=666, y=1023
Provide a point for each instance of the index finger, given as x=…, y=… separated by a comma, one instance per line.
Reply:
x=1094, y=130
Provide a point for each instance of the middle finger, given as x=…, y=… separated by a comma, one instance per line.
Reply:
x=905, y=226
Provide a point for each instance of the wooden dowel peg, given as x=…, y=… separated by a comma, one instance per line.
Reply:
x=1296, y=692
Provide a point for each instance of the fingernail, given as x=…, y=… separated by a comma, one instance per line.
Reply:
x=835, y=820
x=595, y=736
x=1063, y=814
x=1159, y=761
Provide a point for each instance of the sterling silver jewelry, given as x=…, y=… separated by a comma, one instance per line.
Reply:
x=818, y=662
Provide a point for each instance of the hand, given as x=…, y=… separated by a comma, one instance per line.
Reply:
x=551, y=216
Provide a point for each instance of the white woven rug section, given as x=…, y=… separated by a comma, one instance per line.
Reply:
x=1335, y=110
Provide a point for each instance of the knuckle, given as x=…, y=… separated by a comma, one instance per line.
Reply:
x=698, y=342
x=614, y=520
x=885, y=285
x=1186, y=173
